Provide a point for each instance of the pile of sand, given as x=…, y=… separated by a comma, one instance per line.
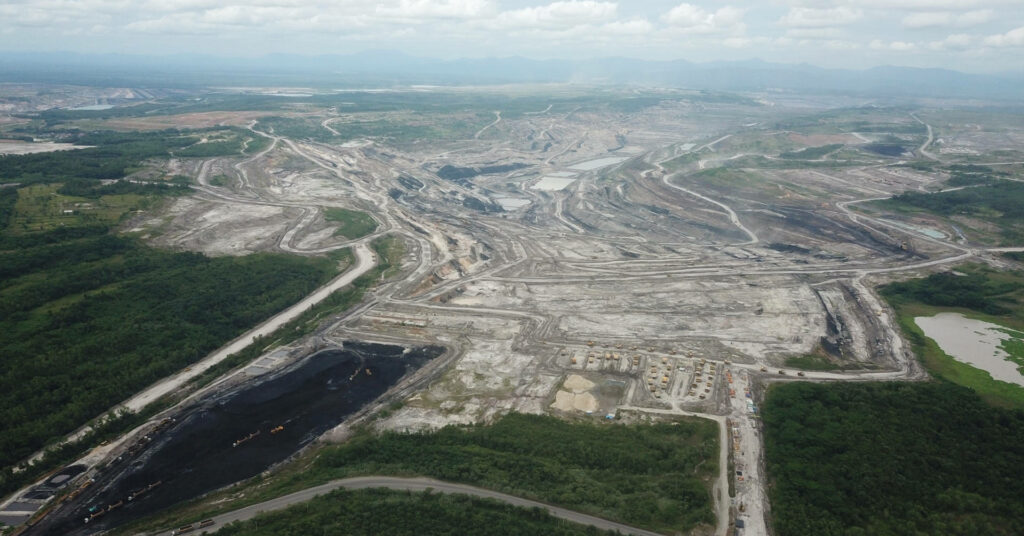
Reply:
x=578, y=384
x=576, y=397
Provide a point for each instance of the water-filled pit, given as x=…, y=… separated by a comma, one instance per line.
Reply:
x=975, y=342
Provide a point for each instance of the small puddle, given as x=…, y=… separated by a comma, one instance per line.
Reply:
x=974, y=342
x=552, y=184
x=512, y=203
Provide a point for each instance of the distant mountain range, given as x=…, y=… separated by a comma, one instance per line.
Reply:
x=384, y=68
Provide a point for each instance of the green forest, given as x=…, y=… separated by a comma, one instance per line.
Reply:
x=973, y=287
x=1001, y=203
x=113, y=155
x=378, y=512
x=88, y=317
x=85, y=322
x=885, y=459
x=654, y=476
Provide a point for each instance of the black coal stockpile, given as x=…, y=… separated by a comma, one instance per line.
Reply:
x=237, y=436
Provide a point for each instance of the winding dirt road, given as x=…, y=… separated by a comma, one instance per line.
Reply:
x=416, y=485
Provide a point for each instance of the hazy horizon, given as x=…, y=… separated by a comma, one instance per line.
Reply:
x=974, y=36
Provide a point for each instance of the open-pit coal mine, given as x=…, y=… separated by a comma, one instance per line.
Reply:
x=235, y=435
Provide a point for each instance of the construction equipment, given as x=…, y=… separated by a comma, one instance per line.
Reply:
x=246, y=438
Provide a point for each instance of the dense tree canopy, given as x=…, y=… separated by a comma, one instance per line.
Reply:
x=655, y=476
x=892, y=459
x=86, y=322
x=974, y=289
x=391, y=513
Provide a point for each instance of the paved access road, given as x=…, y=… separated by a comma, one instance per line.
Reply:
x=411, y=484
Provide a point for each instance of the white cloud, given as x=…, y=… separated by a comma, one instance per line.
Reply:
x=698, y=20
x=974, y=18
x=572, y=13
x=630, y=27
x=841, y=44
x=952, y=42
x=1012, y=38
x=915, y=5
x=803, y=17
x=813, y=33
x=929, y=19
x=896, y=46
x=802, y=30
x=737, y=42
x=433, y=9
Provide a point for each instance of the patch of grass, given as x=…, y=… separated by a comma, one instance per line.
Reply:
x=760, y=162
x=352, y=224
x=681, y=161
x=811, y=153
x=220, y=180
x=723, y=177
x=1000, y=203
x=1014, y=348
x=255, y=144
x=40, y=207
x=344, y=257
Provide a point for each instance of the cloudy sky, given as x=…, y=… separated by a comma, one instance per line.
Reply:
x=968, y=35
